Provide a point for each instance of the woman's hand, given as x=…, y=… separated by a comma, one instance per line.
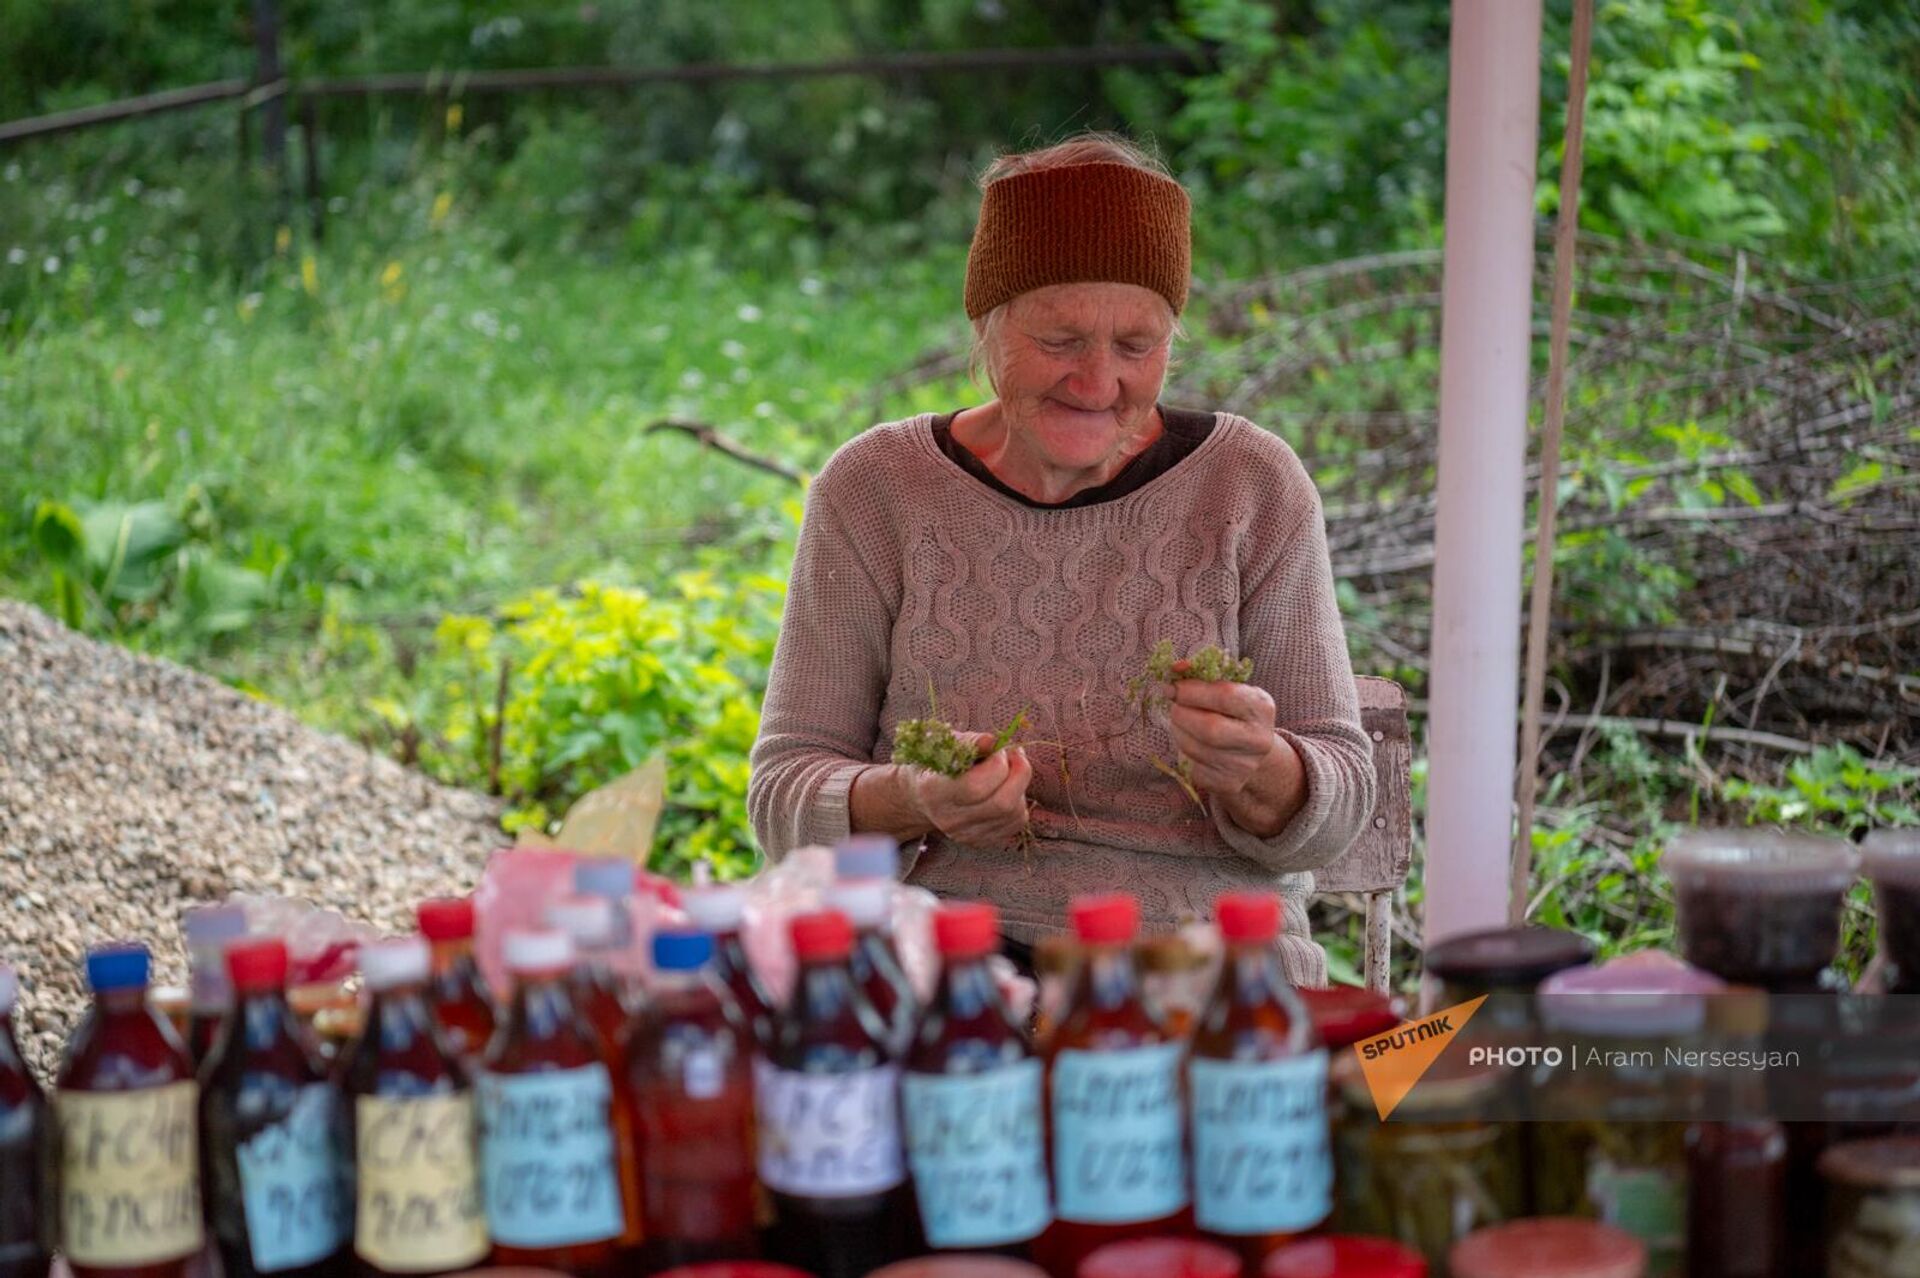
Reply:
x=985, y=806
x=1225, y=730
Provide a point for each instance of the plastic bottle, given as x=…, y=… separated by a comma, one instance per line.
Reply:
x=126, y=1106
x=875, y=963
x=26, y=1153
x=589, y=921
x=417, y=1201
x=1257, y=1087
x=867, y=856
x=610, y=878
x=547, y=1154
x=273, y=1131
x=461, y=1001
x=689, y=1076
x=207, y=930
x=827, y=1102
x=1115, y=1135
x=971, y=1093
x=720, y=911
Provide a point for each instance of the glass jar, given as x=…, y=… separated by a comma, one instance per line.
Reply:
x=1551, y=1248
x=1893, y=863
x=1873, y=1207
x=1173, y=979
x=1508, y=962
x=1761, y=907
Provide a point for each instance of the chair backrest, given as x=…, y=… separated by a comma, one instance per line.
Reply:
x=1382, y=856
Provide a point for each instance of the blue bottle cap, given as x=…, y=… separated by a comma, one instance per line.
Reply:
x=681, y=951
x=117, y=967
x=866, y=856
x=604, y=876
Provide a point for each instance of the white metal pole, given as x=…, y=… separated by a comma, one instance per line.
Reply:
x=1493, y=108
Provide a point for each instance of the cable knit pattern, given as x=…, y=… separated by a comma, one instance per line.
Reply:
x=913, y=578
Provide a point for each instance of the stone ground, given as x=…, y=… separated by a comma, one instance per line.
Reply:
x=131, y=788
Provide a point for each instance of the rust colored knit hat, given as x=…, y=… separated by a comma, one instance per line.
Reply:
x=1085, y=223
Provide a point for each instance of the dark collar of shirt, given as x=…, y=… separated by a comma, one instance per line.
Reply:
x=1185, y=430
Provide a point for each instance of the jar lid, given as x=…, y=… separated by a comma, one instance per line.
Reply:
x=1161, y=1258
x=959, y=1267
x=1893, y=856
x=1345, y=1014
x=1646, y=994
x=735, y=1269
x=1759, y=862
x=1548, y=1247
x=1885, y=1163
x=1508, y=956
x=1345, y=1256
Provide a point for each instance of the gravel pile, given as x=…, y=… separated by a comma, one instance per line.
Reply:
x=131, y=788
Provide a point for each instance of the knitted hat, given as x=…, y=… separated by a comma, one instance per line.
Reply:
x=1086, y=223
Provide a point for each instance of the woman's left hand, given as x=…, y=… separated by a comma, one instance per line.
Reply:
x=1224, y=729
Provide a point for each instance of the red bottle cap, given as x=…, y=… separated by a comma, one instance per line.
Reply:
x=1549, y=1247
x=821, y=935
x=967, y=931
x=1248, y=918
x=1105, y=920
x=257, y=964
x=1345, y=1256
x=1345, y=1014
x=735, y=1269
x=446, y=918
x=1161, y=1258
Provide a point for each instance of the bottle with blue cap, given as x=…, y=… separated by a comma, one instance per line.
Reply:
x=127, y=1108
x=689, y=1076
x=26, y=1153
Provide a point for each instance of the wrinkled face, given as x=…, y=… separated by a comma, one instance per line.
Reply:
x=1077, y=368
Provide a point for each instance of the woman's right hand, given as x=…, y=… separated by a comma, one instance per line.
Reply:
x=985, y=806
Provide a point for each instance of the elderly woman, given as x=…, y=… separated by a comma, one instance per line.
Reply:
x=1027, y=554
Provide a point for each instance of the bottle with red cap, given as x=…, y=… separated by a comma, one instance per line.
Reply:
x=592, y=923
x=827, y=1100
x=417, y=1199
x=1344, y=1256
x=689, y=1079
x=461, y=1000
x=547, y=1153
x=976, y=1143
x=1115, y=1132
x=1161, y=1258
x=272, y=1127
x=867, y=903
x=720, y=912
x=1257, y=1089
x=26, y=1153
x=127, y=1110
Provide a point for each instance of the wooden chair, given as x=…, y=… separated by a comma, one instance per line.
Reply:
x=1377, y=864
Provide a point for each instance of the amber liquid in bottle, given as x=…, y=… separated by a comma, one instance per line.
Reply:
x=26, y=1156
x=1115, y=1140
x=1257, y=1096
x=548, y=1154
x=462, y=1003
x=272, y=1137
x=752, y=1005
x=689, y=1077
x=127, y=1084
x=875, y=963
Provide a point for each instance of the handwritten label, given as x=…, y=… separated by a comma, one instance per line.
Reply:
x=1117, y=1152
x=418, y=1206
x=1260, y=1159
x=293, y=1184
x=977, y=1151
x=829, y=1135
x=546, y=1154
x=130, y=1175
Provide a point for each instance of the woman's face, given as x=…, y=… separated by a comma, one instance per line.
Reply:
x=1078, y=367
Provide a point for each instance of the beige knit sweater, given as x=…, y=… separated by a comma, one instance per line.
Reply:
x=912, y=576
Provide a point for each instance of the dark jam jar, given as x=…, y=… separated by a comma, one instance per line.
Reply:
x=827, y=1099
x=1115, y=1133
x=1257, y=1095
x=1761, y=907
x=721, y=912
x=976, y=1141
x=417, y=1201
x=207, y=930
x=129, y=1132
x=26, y=1153
x=1506, y=962
x=689, y=1081
x=592, y=924
x=875, y=963
x=458, y=993
x=1893, y=863
x=547, y=1156
x=272, y=1132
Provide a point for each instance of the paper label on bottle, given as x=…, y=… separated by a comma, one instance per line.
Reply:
x=1118, y=1156
x=417, y=1207
x=977, y=1150
x=130, y=1175
x=293, y=1184
x=1261, y=1163
x=546, y=1153
x=829, y=1135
